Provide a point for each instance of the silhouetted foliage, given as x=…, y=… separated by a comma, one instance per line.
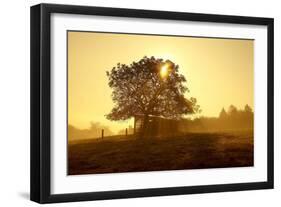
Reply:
x=141, y=89
x=232, y=110
x=247, y=108
x=223, y=113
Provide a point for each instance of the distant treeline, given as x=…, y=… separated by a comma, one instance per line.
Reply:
x=232, y=119
x=93, y=132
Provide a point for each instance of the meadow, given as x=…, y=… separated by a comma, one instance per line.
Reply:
x=116, y=154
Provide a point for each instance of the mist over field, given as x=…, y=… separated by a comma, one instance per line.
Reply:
x=231, y=119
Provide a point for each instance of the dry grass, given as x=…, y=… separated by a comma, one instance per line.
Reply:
x=189, y=151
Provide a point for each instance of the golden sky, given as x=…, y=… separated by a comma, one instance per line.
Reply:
x=219, y=72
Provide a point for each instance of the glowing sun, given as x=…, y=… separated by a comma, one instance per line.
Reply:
x=164, y=71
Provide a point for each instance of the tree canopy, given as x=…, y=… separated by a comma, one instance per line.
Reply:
x=150, y=86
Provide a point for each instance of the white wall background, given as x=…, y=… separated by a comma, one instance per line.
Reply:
x=14, y=102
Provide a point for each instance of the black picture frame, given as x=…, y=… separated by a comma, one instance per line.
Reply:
x=41, y=98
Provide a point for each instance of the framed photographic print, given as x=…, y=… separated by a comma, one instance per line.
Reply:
x=133, y=103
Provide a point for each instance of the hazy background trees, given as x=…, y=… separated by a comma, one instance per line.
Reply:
x=232, y=119
x=94, y=131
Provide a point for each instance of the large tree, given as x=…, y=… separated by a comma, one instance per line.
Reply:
x=150, y=86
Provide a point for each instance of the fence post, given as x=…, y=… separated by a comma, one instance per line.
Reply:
x=102, y=133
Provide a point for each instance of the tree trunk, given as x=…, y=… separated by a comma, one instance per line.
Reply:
x=144, y=126
x=135, y=125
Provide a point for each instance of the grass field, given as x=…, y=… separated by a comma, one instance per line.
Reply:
x=188, y=151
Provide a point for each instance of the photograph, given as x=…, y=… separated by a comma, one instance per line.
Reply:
x=149, y=102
